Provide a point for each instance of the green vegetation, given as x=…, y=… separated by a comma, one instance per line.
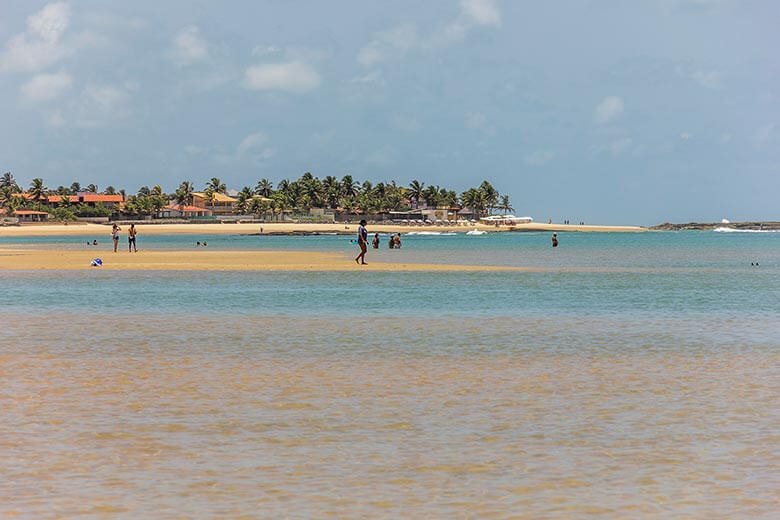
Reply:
x=345, y=195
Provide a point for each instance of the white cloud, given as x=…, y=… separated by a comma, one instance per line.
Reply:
x=294, y=76
x=40, y=45
x=711, y=79
x=100, y=105
x=373, y=77
x=610, y=108
x=538, y=158
x=189, y=46
x=617, y=147
x=55, y=119
x=254, y=145
x=45, y=87
x=192, y=149
x=686, y=136
x=405, y=123
x=475, y=120
x=397, y=41
x=764, y=133
x=393, y=41
x=383, y=156
x=482, y=12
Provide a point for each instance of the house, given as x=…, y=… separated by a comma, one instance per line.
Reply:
x=28, y=215
x=183, y=211
x=115, y=202
x=219, y=204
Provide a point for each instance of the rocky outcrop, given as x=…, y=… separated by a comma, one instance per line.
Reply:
x=668, y=226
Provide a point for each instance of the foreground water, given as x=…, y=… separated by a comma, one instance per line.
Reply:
x=638, y=377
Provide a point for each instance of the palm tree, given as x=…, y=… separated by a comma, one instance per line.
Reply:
x=8, y=181
x=264, y=188
x=110, y=191
x=490, y=194
x=431, y=196
x=6, y=196
x=243, y=200
x=474, y=199
x=505, y=205
x=92, y=188
x=349, y=188
x=144, y=191
x=216, y=185
x=183, y=194
x=332, y=189
x=312, y=191
x=75, y=187
x=37, y=189
x=281, y=202
x=415, y=192
x=210, y=196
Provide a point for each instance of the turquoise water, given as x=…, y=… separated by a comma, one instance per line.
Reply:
x=654, y=250
x=629, y=376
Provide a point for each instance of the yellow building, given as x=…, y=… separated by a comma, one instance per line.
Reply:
x=218, y=204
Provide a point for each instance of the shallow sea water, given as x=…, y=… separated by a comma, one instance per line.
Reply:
x=629, y=392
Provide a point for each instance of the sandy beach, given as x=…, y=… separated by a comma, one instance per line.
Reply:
x=285, y=228
x=202, y=260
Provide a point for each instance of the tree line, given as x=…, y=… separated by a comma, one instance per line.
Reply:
x=308, y=191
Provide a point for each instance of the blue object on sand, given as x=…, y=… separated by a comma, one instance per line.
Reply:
x=96, y=262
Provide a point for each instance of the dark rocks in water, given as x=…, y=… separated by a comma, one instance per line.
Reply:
x=668, y=226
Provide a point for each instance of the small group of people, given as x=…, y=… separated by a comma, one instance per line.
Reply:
x=199, y=243
x=394, y=242
x=131, y=235
x=93, y=243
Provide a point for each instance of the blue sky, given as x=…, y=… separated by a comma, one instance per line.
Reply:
x=602, y=110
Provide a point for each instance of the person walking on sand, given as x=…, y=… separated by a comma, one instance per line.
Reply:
x=115, y=236
x=362, y=243
x=555, y=240
x=375, y=242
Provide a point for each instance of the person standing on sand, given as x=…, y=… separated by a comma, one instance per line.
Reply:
x=131, y=233
x=375, y=242
x=362, y=243
x=555, y=240
x=115, y=236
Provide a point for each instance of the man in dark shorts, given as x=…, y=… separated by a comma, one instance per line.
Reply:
x=362, y=243
x=555, y=240
x=131, y=233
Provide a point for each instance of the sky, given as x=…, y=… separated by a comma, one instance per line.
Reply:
x=603, y=111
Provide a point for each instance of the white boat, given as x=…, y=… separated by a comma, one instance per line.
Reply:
x=474, y=232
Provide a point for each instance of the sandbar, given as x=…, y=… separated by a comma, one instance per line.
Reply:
x=203, y=260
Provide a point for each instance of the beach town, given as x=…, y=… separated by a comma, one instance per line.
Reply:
x=305, y=205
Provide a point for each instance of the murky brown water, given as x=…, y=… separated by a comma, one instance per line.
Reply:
x=175, y=417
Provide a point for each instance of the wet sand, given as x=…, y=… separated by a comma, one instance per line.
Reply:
x=203, y=260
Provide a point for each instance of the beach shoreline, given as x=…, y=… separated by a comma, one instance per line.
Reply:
x=290, y=228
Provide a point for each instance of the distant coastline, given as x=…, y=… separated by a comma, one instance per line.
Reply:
x=753, y=226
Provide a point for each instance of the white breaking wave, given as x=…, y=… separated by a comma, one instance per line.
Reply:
x=432, y=233
x=732, y=230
